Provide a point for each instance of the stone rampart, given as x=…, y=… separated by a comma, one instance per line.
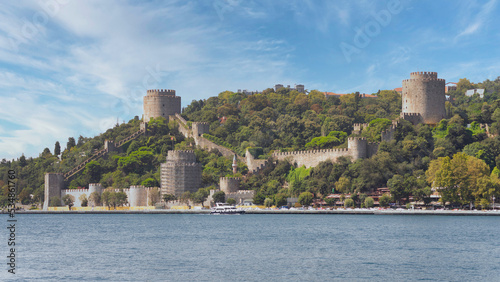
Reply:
x=54, y=183
x=229, y=184
x=180, y=173
x=359, y=127
x=199, y=128
x=358, y=148
x=253, y=164
x=240, y=196
x=76, y=193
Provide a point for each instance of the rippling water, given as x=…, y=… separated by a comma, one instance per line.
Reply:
x=160, y=247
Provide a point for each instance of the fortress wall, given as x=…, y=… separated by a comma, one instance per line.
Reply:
x=76, y=193
x=359, y=127
x=229, y=184
x=253, y=164
x=241, y=196
x=311, y=158
x=138, y=196
x=372, y=149
x=199, y=128
x=209, y=145
x=54, y=182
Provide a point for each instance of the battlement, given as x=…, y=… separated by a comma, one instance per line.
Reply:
x=230, y=178
x=183, y=156
x=298, y=153
x=163, y=92
x=67, y=191
x=409, y=114
x=239, y=192
x=201, y=123
x=137, y=187
x=423, y=78
x=355, y=138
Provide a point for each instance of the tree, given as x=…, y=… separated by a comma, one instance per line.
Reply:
x=70, y=144
x=93, y=171
x=24, y=196
x=219, y=197
x=55, y=202
x=200, y=196
x=280, y=199
x=349, y=203
x=258, y=198
x=22, y=161
x=95, y=199
x=68, y=200
x=306, y=198
x=83, y=200
x=57, y=149
x=399, y=187
x=154, y=196
x=268, y=202
x=330, y=201
x=231, y=201
x=106, y=198
x=169, y=197
x=384, y=200
x=149, y=182
x=369, y=202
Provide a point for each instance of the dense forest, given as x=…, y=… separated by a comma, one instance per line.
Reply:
x=458, y=155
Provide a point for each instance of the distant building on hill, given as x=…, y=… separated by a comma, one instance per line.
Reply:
x=338, y=95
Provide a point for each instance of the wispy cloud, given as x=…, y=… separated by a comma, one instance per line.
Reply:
x=477, y=20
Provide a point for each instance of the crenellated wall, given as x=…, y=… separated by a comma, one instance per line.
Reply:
x=253, y=164
x=357, y=148
x=359, y=127
x=241, y=196
x=229, y=184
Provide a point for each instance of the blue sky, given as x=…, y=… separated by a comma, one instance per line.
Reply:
x=70, y=68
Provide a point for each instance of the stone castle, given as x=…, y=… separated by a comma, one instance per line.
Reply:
x=161, y=103
x=423, y=98
x=181, y=173
x=423, y=102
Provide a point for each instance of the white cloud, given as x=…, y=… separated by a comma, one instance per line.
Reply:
x=476, y=21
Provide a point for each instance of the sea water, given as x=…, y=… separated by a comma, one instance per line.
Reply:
x=176, y=247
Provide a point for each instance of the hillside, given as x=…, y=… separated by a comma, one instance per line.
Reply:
x=287, y=120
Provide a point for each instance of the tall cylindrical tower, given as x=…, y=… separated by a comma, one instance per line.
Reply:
x=423, y=94
x=161, y=103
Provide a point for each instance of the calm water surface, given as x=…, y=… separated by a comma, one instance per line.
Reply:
x=254, y=248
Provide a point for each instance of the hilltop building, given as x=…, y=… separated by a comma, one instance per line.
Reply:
x=423, y=98
x=161, y=103
x=338, y=95
x=298, y=87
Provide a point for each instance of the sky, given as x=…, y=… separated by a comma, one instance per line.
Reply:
x=71, y=68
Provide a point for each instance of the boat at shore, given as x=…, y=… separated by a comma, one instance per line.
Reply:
x=223, y=208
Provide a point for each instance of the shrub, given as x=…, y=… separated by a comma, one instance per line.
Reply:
x=369, y=202
x=349, y=203
x=384, y=200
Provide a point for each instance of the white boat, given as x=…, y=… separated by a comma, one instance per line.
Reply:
x=223, y=208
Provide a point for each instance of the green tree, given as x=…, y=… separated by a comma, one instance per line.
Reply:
x=268, y=202
x=200, y=196
x=169, y=197
x=95, y=199
x=384, y=200
x=57, y=149
x=369, y=202
x=258, y=198
x=154, y=196
x=55, y=201
x=149, y=182
x=349, y=203
x=280, y=200
x=330, y=201
x=68, y=200
x=70, y=144
x=93, y=171
x=231, y=201
x=306, y=198
x=219, y=197
x=83, y=200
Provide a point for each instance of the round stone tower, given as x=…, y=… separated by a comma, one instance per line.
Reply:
x=423, y=94
x=161, y=103
x=138, y=196
x=357, y=147
x=180, y=173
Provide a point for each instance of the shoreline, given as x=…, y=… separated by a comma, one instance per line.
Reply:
x=355, y=212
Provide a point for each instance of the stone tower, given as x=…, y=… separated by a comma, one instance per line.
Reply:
x=54, y=183
x=161, y=103
x=180, y=173
x=235, y=165
x=423, y=98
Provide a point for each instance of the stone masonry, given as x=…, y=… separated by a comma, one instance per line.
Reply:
x=180, y=173
x=423, y=98
x=161, y=103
